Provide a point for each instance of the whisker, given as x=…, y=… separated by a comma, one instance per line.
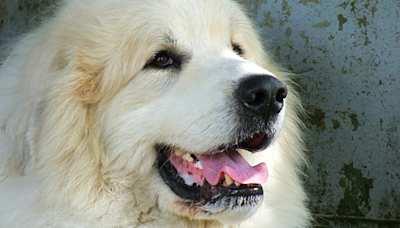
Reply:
x=289, y=185
x=205, y=115
x=5, y=177
x=168, y=159
x=177, y=173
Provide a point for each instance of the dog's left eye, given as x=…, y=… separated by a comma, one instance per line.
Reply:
x=162, y=60
x=237, y=49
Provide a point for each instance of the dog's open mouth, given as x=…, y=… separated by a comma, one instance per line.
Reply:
x=207, y=178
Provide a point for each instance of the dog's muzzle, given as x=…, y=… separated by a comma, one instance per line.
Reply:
x=220, y=178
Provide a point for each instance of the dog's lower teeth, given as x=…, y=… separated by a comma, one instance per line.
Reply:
x=187, y=157
x=179, y=152
x=188, y=179
x=198, y=165
x=242, y=151
x=228, y=179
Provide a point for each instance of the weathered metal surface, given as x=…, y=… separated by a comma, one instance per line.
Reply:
x=18, y=16
x=348, y=53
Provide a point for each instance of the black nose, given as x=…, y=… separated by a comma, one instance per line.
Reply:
x=262, y=94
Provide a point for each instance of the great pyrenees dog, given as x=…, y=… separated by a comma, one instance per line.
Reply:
x=148, y=113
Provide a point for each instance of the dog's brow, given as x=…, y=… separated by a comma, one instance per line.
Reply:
x=173, y=48
x=169, y=39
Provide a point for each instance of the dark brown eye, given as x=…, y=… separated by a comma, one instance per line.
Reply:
x=237, y=49
x=163, y=60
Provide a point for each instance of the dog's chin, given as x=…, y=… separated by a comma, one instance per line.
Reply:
x=236, y=215
x=211, y=185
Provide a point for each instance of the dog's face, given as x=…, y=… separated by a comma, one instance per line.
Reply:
x=191, y=102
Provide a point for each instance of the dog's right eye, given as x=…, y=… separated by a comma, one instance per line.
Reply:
x=163, y=60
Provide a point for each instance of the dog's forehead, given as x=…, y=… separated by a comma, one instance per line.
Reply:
x=195, y=12
x=193, y=22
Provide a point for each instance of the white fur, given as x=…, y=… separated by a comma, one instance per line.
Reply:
x=80, y=117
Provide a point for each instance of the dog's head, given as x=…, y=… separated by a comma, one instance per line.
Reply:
x=179, y=96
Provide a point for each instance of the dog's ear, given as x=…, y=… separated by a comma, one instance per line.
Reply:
x=91, y=81
x=85, y=79
x=98, y=73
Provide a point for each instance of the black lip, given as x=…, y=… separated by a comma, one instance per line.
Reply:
x=244, y=144
x=201, y=194
x=266, y=141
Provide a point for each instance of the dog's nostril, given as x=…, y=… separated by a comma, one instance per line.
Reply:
x=255, y=98
x=282, y=93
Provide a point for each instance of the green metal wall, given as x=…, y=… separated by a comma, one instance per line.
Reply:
x=348, y=56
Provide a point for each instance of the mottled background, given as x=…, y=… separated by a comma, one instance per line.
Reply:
x=348, y=56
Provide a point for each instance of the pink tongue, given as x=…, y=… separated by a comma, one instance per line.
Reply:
x=235, y=166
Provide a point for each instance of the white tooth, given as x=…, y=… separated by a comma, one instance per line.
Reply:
x=189, y=181
x=237, y=184
x=228, y=179
x=187, y=157
x=242, y=151
x=198, y=165
x=179, y=152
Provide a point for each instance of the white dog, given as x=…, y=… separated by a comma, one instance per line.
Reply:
x=148, y=113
